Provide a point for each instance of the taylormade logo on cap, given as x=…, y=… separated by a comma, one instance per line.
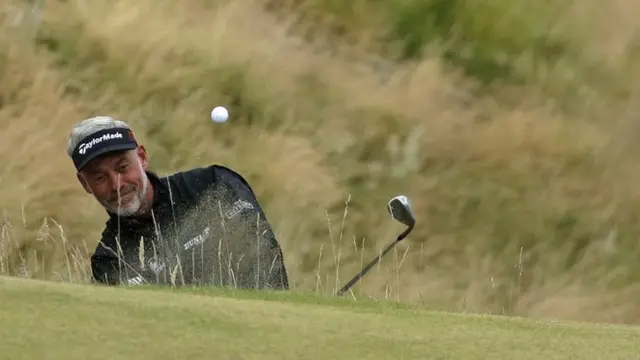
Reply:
x=82, y=149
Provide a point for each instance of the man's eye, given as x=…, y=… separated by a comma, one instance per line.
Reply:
x=123, y=167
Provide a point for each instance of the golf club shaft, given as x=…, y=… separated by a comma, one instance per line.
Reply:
x=366, y=269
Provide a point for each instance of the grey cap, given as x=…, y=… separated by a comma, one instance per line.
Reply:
x=96, y=136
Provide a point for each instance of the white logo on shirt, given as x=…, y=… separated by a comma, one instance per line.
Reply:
x=197, y=240
x=237, y=208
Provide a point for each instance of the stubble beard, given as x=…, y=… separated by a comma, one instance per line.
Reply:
x=135, y=204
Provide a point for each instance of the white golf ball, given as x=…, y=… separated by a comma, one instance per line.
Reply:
x=219, y=114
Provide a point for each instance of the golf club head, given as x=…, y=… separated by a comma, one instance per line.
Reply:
x=400, y=209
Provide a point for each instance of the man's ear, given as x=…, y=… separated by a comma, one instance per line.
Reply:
x=83, y=183
x=143, y=156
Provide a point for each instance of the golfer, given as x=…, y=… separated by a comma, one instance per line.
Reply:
x=202, y=226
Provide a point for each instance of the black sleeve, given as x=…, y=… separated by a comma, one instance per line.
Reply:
x=106, y=268
x=272, y=268
x=103, y=270
x=104, y=265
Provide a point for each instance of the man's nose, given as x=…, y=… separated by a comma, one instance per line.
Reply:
x=115, y=180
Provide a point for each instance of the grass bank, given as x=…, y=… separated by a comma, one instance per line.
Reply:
x=525, y=206
x=82, y=322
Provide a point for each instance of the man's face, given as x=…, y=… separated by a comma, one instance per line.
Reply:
x=118, y=181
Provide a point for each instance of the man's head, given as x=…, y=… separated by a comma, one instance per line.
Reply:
x=111, y=165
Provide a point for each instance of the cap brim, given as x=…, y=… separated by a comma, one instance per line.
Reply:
x=105, y=150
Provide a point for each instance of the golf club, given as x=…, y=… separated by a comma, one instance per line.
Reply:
x=400, y=209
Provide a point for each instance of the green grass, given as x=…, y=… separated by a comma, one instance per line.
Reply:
x=65, y=321
x=491, y=41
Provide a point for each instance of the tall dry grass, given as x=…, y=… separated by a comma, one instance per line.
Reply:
x=522, y=209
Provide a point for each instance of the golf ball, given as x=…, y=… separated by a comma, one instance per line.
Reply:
x=219, y=114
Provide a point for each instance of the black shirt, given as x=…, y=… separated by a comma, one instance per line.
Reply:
x=206, y=227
